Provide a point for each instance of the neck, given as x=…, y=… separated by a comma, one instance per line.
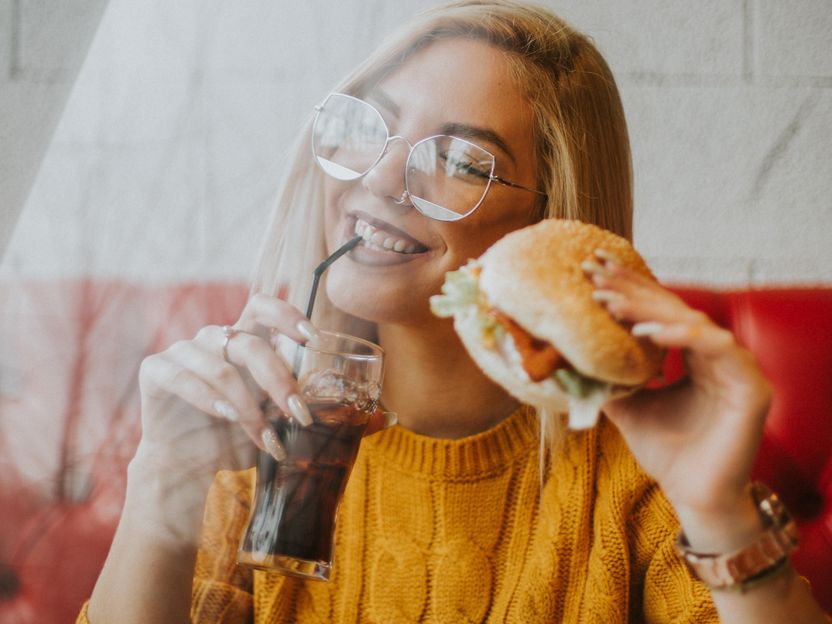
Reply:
x=435, y=387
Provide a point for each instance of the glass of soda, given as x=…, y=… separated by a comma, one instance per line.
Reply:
x=292, y=524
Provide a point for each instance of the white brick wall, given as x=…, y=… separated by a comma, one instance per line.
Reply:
x=42, y=46
x=164, y=163
x=794, y=38
x=661, y=38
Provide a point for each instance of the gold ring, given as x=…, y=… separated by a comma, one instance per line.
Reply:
x=228, y=332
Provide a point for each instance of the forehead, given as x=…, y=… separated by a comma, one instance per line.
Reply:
x=462, y=80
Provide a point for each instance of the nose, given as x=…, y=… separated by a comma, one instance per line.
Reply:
x=387, y=178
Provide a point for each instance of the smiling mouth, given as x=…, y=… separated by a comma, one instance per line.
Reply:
x=377, y=236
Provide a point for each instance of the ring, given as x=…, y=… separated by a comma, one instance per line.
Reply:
x=229, y=332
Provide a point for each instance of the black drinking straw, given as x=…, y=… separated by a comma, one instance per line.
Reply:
x=323, y=266
x=316, y=277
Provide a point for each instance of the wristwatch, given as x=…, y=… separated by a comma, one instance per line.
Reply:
x=757, y=561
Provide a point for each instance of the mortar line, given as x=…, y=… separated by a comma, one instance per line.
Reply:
x=748, y=40
x=14, y=40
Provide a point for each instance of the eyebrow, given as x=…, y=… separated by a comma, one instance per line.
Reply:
x=467, y=131
x=457, y=129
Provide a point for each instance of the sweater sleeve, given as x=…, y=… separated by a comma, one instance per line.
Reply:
x=669, y=591
x=661, y=588
x=222, y=591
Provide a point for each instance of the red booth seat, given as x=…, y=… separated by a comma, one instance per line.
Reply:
x=69, y=418
x=790, y=332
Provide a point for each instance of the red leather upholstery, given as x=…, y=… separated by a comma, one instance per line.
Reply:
x=69, y=419
x=790, y=332
x=69, y=424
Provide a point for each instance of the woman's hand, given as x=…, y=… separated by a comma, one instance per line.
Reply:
x=200, y=412
x=697, y=437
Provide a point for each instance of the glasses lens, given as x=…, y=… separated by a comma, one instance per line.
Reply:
x=348, y=137
x=447, y=177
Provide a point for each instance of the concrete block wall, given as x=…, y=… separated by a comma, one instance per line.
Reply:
x=42, y=47
x=165, y=159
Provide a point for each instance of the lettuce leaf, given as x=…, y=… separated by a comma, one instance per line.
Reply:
x=575, y=384
x=460, y=292
x=461, y=295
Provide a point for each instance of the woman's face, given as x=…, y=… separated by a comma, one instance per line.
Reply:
x=455, y=82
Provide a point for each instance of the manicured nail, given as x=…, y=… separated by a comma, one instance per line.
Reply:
x=299, y=410
x=606, y=296
x=307, y=330
x=588, y=266
x=272, y=444
x=226, y=410
x=605, y=255
x=391, y=419
x=646, y=329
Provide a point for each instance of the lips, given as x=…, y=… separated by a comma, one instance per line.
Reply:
x=382, y=236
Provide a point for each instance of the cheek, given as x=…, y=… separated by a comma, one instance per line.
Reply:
x=333, y=192
x=472, y=236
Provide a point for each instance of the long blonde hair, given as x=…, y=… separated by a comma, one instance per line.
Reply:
x=580, y=134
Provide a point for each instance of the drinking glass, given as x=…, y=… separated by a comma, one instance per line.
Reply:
x=296, y=500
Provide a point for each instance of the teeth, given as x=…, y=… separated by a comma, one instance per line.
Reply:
x=379, y=239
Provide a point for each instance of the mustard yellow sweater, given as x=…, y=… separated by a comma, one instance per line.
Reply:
x=459, y=531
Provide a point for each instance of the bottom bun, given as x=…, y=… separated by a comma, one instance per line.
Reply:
x=502, y=366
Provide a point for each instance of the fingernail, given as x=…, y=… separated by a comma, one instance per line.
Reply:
x=605, y=255
x=606, y=296
x=299, y=410
x=588, y=266
x=226, y=410
x=272, y=444
x=646, y=329
x=307, y=330
x=391, y=419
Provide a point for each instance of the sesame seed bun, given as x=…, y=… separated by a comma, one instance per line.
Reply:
x=534, y=276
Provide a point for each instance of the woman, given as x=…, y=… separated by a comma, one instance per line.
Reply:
x=444, y=518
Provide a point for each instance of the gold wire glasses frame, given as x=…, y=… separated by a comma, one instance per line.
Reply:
x=353, y=118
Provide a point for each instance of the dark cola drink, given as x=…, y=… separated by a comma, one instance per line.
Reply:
x=296, y=500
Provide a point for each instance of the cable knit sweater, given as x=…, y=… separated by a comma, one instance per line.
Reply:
x=452, y=531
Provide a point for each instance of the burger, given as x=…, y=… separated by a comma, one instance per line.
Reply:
x=524, y=311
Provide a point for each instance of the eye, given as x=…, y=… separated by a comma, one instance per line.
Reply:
x=460, y=164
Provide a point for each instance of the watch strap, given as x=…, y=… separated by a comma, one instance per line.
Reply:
x=748, y=565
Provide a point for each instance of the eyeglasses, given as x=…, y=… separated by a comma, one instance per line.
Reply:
x=446, y=178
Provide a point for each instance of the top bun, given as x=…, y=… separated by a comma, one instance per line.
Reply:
x=534, y=275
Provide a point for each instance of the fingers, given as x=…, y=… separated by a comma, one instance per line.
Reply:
x=265, y=366
x=633, y=297
x=705, y=338
x=215, y=391
x=263, y=311
x=161, y=375
x=227, y=374
x=217, y=387
x=380, y=420
x=271, y=444
x=237, y=404
x=654, y=311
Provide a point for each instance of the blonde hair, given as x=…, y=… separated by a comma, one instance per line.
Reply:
x=581, y=140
